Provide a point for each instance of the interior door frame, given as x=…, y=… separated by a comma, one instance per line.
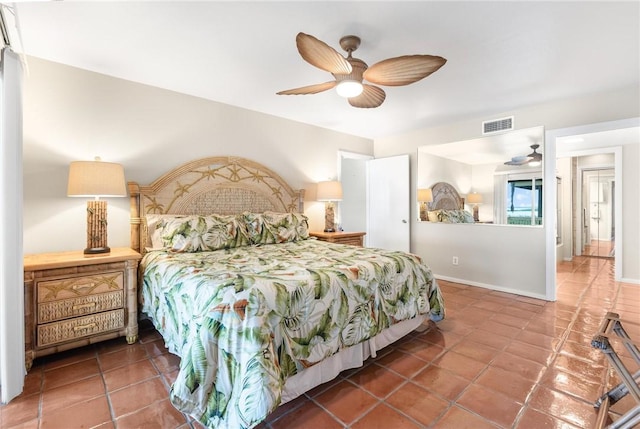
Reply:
x=582, y=194
x=550, y=192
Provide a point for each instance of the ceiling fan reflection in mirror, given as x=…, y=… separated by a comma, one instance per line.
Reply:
x=350, y=73
x=534, y=159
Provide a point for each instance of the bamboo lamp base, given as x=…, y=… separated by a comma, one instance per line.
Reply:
x=329, y=217
x=96, y=228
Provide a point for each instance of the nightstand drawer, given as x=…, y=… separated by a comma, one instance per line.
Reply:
x=64, y=308
x=71, y=329
x=73, y=287
x=353, y=241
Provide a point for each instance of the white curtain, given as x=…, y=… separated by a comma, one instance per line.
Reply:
x=12, y=369
x=499, y=198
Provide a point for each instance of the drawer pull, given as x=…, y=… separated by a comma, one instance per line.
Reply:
x=87, y=305
x=83, y=327
x=76, y=287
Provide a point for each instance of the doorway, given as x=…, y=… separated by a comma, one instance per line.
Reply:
x=597, y=209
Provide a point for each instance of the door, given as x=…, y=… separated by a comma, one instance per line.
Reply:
x=389, y=203
x=352, y=210
x=598, y=209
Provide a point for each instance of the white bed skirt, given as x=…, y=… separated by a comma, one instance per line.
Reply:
x=352, y=357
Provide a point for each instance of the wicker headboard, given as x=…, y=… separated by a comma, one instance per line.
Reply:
x=445, y=197
x=224, y=185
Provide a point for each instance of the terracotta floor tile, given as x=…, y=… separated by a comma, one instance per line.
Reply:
x=421, y=349
x=490, y=339
x=73, y=393
x=533, y=353
x=587, y=370
x=137, y=396
x=132, y=353
x=377, y=380
x=494, y=327
x=459, y=418
x=287, y=407
x=577, y=385
x=535, y=419
x=167, y=362
x=444, y=383
x=33, y=382
x=22, y=409
x=580, y=351
x=536, y=339
x=459, y=364
x=130, y=374
x=158, y=415
x=403, y=363
x=502, y=343
x=31, y=424
x=510, y=320
x=346, y=401
x=384, y=417
x=564, y=407
x=474, y=350
x=418, y=403
x=84, y=414
x=526, y=368
x=309, y=416
x=155, y=348
x=441, y=338
x=506, y=382
x=67, y=357
x=491, y=405
x=70, y=373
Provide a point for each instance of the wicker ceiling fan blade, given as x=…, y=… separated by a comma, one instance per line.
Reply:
x=309, y=89
x=403, y=70
x=321, y=55
x=371, y=96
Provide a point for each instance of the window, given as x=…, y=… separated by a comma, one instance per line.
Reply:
x=524, y=201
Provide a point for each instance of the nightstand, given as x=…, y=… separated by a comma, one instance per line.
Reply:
x=352, y=238
x=72, y=300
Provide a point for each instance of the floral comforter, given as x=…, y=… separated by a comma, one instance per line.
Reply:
x=245, y=319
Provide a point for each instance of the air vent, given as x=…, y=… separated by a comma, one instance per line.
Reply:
x=497, y=125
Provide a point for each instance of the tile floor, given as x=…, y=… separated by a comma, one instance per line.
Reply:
x=497, y=361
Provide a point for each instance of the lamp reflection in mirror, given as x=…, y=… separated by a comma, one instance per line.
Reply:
x=329, y=192
x=425, y=196
x=96, y=179
x=475, y=199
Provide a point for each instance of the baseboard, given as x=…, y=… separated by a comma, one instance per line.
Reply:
x=632, y=281
x=492, y=287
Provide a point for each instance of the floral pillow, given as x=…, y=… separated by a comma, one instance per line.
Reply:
x=455, y=216
x=193, y=233
x=273, y=227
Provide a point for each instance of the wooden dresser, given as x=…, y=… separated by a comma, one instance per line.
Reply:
x=352, y=238
x=72, y=300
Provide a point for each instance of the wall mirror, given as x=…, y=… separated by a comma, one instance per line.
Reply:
x=494, y=179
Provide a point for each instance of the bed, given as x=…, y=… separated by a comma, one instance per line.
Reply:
x=447, y=205
x=258, y=311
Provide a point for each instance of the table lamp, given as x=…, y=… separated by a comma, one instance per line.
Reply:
x=425, y=196
x=475, y=199
x=96, y=179
x=329, y=192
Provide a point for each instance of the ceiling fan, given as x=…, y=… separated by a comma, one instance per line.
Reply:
x=350, y=72
x=533, y=159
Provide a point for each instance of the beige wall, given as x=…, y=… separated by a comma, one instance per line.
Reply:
x=506, y=258
x=72, y=114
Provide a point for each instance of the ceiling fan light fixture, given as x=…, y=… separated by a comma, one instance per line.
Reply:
x=348, y=88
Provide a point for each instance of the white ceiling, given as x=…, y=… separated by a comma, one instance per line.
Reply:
x=501, y=55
